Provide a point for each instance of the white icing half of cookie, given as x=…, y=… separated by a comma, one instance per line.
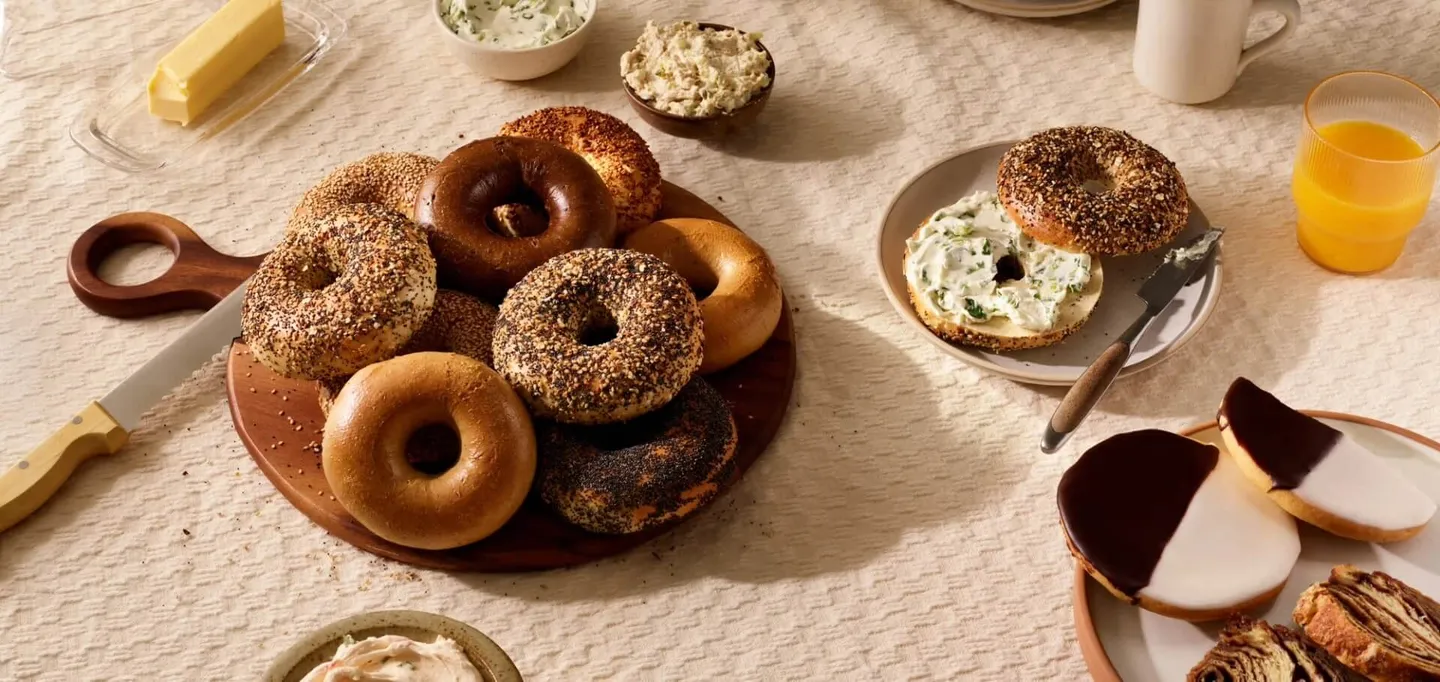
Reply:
x=1355, y=484
x=1233, y=545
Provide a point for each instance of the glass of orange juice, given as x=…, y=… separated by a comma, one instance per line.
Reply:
x=1365, y=169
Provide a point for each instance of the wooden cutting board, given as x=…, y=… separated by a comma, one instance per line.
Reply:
x=280, y=422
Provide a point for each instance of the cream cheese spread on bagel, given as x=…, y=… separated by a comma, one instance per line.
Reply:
x=969, y=263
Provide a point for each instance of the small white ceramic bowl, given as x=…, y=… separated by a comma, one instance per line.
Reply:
x=515, y=65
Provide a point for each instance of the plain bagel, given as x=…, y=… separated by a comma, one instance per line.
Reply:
x=391, y=179
x=385, y=404
x=342, y=291
x=744, y=302
x=458, y=200
x=612, y=148
x=1042, y=183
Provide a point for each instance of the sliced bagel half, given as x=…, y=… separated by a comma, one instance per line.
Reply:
x=999, y=334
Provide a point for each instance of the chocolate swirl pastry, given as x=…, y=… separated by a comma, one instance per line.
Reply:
x=1256, y=651
x=1375, y=624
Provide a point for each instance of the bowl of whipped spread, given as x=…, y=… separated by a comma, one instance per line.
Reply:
x=700, y=79
x=515, y=40
x=395, y=646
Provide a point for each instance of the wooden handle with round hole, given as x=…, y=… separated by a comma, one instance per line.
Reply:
x=198, y=278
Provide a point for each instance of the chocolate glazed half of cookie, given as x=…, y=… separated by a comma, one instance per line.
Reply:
x=458, y=202
x=627, y=477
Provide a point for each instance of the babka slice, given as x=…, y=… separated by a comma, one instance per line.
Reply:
x=1375, y=624
x=1256, y=651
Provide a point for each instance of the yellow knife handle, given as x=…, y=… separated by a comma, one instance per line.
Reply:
x=30, y=482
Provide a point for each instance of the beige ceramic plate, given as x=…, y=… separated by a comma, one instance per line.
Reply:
x=1122, y=642
x=320, y=645
x=1062, y=363
x=1035, y=9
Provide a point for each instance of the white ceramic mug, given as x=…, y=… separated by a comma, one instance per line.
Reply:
x=1191, y=51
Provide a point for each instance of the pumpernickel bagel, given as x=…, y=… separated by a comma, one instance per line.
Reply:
x=743, y=302
x=457, y=201
x=612, y=148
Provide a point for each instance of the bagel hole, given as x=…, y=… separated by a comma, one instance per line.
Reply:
x=702, y=288
x=433, y=449
x=314, y=279
x=599, y=328
x=1098, y=185
x=1008, y=269
x=524, y=217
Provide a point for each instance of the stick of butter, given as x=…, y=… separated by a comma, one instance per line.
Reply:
x=212, y=58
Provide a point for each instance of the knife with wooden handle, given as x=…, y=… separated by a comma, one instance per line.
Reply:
x=198, y=278
x=1179, y=267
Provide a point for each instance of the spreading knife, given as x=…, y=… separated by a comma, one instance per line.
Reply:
x=198, y=278
x=1180, y=265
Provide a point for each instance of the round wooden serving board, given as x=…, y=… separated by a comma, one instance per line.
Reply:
x=279, y=421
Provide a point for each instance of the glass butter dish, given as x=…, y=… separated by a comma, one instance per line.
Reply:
x=119, y=130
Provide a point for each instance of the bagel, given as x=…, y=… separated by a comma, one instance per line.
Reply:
x=390, y=179
x=1042, y=183
x=626, y=478
x=975, y=280
x=611, y=147
x=744, y=302
x=457, y=202
x=547, y=342
x=457, y=324
x=345, y=289
x=384, y=405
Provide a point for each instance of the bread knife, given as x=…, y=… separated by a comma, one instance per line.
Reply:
x=104, y=426
x=1180, y=265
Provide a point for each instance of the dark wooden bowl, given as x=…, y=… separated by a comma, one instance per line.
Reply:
x=717, y=125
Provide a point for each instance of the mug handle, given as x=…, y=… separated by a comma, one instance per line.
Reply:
x=1290, y=9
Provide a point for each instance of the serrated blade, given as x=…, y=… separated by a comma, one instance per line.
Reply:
x=1180, y=265
x=128, y=401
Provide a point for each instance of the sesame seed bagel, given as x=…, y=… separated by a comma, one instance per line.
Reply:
x=384, y=405
x=457, y=324
x=625, y=478
x=744, y=303
x=344, y=290
x=458, y=201
x=1041, y=183
x=390, y=179
x=614, y=149
x=549, y=340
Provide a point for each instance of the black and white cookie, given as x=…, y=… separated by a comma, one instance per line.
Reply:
x=1318, y=473
x=1167, y=523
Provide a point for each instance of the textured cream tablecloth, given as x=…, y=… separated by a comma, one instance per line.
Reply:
x=903, y=524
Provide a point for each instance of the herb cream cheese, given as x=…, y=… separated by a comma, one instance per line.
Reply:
x=515, y=24
x=954, y=264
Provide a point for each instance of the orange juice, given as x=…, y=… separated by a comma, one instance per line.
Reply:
x=1356, y=197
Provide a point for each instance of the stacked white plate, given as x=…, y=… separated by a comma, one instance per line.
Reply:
x=1035, y=9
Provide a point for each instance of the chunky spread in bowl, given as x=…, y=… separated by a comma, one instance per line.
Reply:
x=954, y=262
x=392, y=658
x=686, y=70
x=515, y=24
